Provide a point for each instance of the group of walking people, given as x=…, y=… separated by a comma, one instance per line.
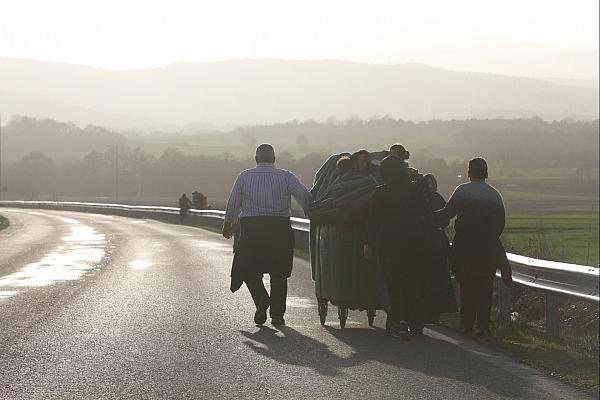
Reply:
x=405, y=221
x=406, y=227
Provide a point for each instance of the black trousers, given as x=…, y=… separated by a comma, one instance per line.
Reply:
x=278, y=292
x=182, y=214
x=476, y=297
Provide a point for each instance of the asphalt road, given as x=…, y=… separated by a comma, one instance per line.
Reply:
x=102, y=307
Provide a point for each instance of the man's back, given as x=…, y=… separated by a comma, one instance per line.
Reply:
x=266, y=191
x=479, y=209
x=260, y=199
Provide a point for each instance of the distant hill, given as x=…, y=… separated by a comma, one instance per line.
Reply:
x=267, y=90
x=58, y=140
x=586, y=83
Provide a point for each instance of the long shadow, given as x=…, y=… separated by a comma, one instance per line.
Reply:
x=430, y=356
x=294, y=348
x=433, y=357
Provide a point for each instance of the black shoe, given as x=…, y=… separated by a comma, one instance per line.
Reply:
x=277, y=321
x=260, y=316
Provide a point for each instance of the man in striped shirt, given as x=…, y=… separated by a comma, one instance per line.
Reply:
x=261, y=200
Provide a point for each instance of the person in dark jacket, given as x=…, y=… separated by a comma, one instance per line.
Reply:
x=184, y=206
x=399, y=230
x=476, y=250
x=439, y=294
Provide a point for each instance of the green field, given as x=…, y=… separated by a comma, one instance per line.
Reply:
x=566, y=237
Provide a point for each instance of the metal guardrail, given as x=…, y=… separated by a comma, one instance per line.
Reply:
x=569, y=279
x=553, y=278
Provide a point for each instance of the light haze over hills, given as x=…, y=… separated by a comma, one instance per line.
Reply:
x=270, y=90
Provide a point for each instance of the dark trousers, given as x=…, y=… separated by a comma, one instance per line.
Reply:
x=182, y=214
x=278, y=292
x=476, y=297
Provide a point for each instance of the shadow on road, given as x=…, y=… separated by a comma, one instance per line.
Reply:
x=292, y=347
x=433, y=357
x=430, y=356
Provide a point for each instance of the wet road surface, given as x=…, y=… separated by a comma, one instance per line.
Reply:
x=103, y=307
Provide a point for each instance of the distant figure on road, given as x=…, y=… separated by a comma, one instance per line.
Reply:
x=261, y=198
x=199, y=200
x=476, y=250
x=184, y=206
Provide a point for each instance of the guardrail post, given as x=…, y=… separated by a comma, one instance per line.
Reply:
x=504, y=301
x=552, y=320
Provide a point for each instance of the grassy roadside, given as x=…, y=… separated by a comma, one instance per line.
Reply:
x=570, y=359
x=558, y=358
x=3, y=222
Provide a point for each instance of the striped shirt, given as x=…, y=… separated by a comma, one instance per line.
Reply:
x=265, y=191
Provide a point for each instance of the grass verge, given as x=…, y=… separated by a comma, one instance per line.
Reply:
x=564, y=359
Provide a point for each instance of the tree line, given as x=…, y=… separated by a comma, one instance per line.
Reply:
x=135, y=175
x=52, y=166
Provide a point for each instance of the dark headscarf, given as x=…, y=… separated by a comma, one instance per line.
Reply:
x=393, y=170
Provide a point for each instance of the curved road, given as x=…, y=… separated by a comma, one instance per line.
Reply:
x=101, y=307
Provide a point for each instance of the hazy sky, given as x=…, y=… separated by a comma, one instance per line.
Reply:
x=124, y=34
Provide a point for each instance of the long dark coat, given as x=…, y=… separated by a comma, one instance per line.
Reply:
x=439, y=293
x=400, y=230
